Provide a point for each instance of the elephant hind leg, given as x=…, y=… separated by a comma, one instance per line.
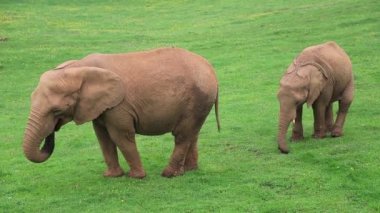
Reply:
x=344, y=104
x=185, y=153
x=177, y=160
x=191, y=161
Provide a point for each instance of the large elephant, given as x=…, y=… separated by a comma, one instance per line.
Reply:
x=149, y=93
x=319, y=76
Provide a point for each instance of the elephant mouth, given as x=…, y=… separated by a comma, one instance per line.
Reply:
x=58, y=125
x=48, y=146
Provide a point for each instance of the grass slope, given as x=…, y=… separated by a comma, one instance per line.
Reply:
x=250, y=43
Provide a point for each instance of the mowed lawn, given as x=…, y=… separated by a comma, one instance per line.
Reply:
x=250, y=44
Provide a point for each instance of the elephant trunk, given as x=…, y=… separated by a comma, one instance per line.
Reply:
x=33, y=137
x=286, y=117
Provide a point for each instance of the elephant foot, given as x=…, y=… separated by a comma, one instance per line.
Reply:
x=329, y=128
x=190, y=167
x=191, y=164
x=336, y=133
x=171, y=172
x=297, y=137
x=283, y=150
x=136, y=174
x=114, y=172
x=319, y=135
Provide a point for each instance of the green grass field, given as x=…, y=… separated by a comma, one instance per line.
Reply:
x=250, y=44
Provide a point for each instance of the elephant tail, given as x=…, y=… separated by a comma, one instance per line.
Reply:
x=217, y=110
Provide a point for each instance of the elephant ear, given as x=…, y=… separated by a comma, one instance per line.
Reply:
x=65, y=64
x=316, y=85
x=98, y=90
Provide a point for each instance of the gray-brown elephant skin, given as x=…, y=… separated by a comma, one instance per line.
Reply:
x=319, y=76
x=149, y=93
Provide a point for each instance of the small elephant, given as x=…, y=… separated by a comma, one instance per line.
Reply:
x=319, y=76
x=148, y=93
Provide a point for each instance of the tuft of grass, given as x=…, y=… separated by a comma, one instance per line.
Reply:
x=250, y=44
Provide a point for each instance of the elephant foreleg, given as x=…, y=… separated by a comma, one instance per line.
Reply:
x=319, y=111
x=125, y=141
x=109, y=152
x=297, y=128
x=329, y=117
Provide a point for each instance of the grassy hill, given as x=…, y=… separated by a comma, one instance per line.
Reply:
x=250, y=44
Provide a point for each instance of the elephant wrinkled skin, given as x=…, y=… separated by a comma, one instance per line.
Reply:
x=319, y=76
x=149, y=93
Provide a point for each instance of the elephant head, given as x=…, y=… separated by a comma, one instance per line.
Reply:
x=80, y=94
x=301, y=83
